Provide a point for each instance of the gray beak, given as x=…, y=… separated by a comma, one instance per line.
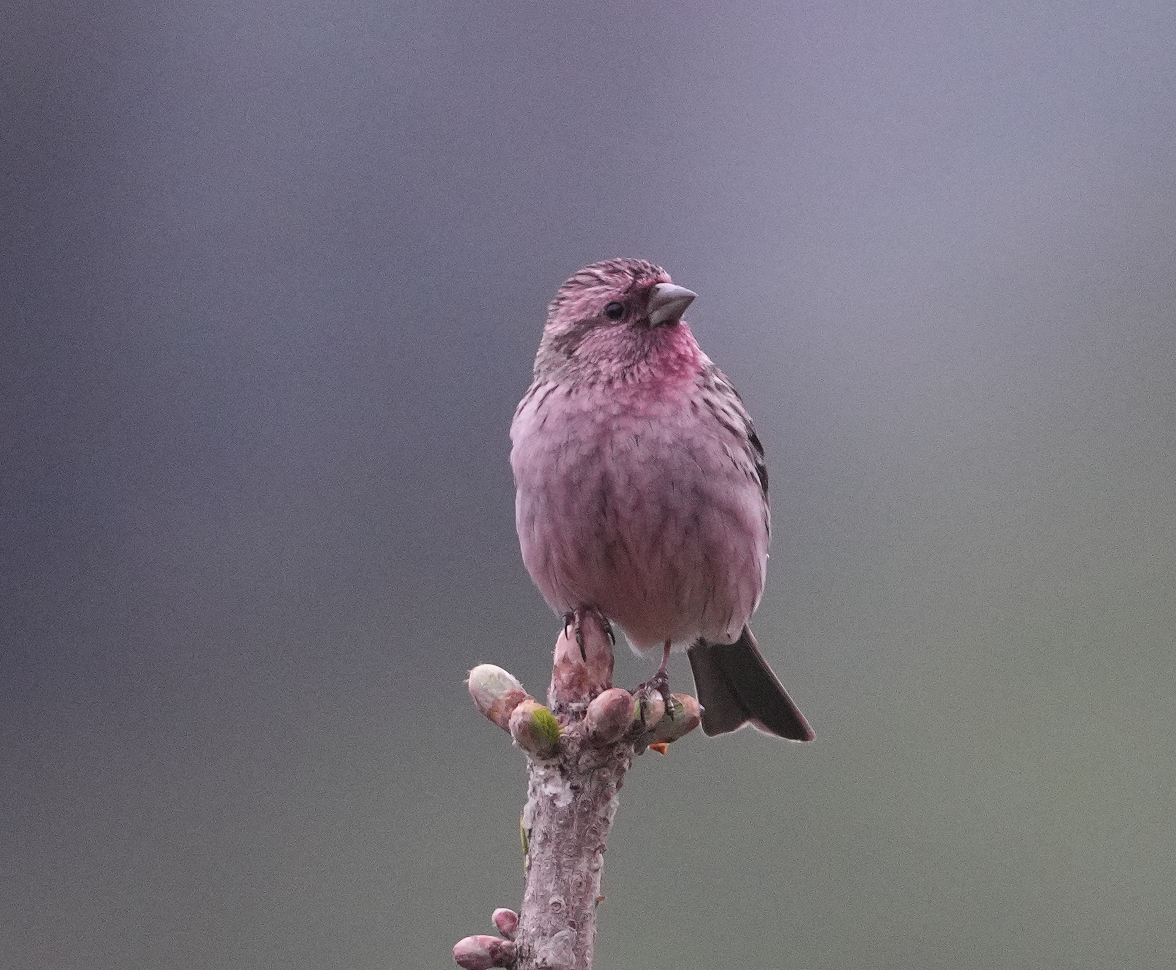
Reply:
x=668, y=302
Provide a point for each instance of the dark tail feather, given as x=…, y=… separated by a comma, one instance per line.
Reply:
x=736, y=687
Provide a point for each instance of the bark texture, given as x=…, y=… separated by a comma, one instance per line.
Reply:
x=570, y=808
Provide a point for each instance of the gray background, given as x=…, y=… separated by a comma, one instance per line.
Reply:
x=273, y=276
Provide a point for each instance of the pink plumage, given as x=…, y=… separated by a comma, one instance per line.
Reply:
x=642, y=489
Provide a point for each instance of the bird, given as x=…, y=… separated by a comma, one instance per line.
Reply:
x=642, y=490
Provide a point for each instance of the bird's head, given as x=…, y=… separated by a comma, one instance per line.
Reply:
x=610, y=316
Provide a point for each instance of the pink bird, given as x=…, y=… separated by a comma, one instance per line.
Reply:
x=642, y=489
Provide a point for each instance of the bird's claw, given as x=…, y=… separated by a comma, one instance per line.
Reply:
x=574, y=619
x=658, y=683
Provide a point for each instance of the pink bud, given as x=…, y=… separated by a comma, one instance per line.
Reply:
x=609, y=715
x=507, y=922
x=483, y=952
x=682, y=716
x=496, y=693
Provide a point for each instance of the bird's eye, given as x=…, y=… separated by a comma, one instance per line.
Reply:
x=614, y=311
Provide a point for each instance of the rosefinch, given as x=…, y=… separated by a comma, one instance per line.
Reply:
x=642, y=490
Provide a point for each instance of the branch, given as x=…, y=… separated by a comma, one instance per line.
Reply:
x=578, y=750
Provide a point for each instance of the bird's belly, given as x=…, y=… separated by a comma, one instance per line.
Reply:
x=632, y=516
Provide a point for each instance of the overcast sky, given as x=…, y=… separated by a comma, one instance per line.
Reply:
x=273, y=277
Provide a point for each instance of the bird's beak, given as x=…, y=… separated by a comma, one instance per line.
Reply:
x=668, y=302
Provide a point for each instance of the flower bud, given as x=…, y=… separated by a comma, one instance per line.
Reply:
x=496, y=693
x=683, y=714
x=609, y=715
x=483, y=952
x=535, y=729
x=506, y=921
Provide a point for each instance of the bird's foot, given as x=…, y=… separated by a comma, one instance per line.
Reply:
x=659, y=683
x=575, y=620
x=653, y=699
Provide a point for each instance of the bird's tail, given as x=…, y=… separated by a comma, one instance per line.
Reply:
x=736, y=687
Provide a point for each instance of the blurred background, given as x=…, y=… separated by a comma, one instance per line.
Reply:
x=274, y=274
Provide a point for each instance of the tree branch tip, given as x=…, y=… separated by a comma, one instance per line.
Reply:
x=582, y=666
x=579, y=746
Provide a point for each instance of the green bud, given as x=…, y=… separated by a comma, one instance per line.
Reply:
x=535, y=729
